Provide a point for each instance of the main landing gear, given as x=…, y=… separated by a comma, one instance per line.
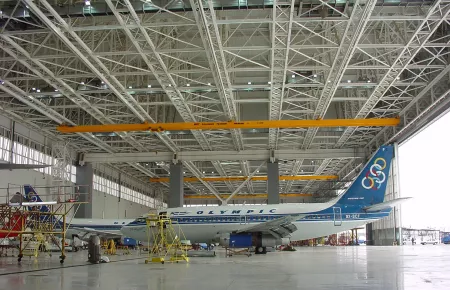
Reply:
x=260, y=250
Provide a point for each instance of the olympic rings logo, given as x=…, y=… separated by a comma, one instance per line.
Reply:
x=375, y=176
x=32, y=197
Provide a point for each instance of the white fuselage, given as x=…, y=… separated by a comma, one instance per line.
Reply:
x=203, y=224
x=103, y=226
x=207, y=232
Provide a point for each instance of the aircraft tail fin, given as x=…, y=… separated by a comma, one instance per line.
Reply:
x=32, y=196
x=370, y=186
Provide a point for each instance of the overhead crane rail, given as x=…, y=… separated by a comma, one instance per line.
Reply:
x=254, y=178
x=160, y=127
x=246, y=196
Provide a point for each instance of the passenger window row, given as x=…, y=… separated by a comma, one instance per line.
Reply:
x=225, y=219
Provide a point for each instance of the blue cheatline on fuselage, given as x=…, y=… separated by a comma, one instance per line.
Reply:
x=367, y=189
x=233, y=219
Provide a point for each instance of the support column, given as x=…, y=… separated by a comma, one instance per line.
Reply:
x=397, y=209
x=85, y=176
x=176, y=187
x=273, y=183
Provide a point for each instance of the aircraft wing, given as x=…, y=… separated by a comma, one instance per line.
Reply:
x=279, y=228
x=90, y=231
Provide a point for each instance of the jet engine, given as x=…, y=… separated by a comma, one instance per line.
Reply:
x=246, y=240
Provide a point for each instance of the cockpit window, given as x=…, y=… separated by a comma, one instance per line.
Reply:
x=140, y=220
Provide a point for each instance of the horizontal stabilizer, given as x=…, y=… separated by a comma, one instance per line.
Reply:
x=386, y=204
x=8, y=166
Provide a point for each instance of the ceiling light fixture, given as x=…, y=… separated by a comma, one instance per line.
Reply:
x=315, y=76
x=209, y=84
x=149, y=86
x=82, y=83
x=38, y=90
x=249, y=83
x=368, y=81
x=130, y=87
x=349, y=81
x=269, y=83
x=87, y=2
x=188, y=85
x=33, y=89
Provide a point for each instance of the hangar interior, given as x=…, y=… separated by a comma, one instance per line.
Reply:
x=72, y=63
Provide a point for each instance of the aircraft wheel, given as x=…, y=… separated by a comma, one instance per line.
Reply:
x=260, y=250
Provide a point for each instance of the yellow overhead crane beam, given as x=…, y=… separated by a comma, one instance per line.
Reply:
x=248, y=196
x=254, y=178
x=159, y=127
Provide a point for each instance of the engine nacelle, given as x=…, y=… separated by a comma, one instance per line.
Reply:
x=236, y=240
x=246, y=240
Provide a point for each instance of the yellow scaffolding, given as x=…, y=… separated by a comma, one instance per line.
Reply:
x=261, y=124
x=32, y=226
x=164, y=241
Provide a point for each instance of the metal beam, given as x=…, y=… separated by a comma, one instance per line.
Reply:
x=351, y=36
x=281, y=40
x=209, y=32
x=420, y=36
x=111, y=81
x=160, y=127
x=247, y=179
x=246, y=196
x=378, y=16
x=253, y=178
x=225, y=155
x=194, y=170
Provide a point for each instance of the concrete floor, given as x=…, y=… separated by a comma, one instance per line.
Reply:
x=408, y=267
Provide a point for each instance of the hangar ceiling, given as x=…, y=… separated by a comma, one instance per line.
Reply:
x=111, y=62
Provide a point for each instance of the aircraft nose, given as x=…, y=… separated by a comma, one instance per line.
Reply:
x=125, y=230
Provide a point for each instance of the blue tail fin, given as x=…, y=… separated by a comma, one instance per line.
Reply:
x=32, y=196
x=370, y=186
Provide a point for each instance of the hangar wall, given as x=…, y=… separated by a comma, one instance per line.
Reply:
x=108, y=206
x=104, y=205
x=20, y=177
x=385, y=231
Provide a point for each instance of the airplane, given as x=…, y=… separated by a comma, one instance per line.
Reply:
x=274, y=224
